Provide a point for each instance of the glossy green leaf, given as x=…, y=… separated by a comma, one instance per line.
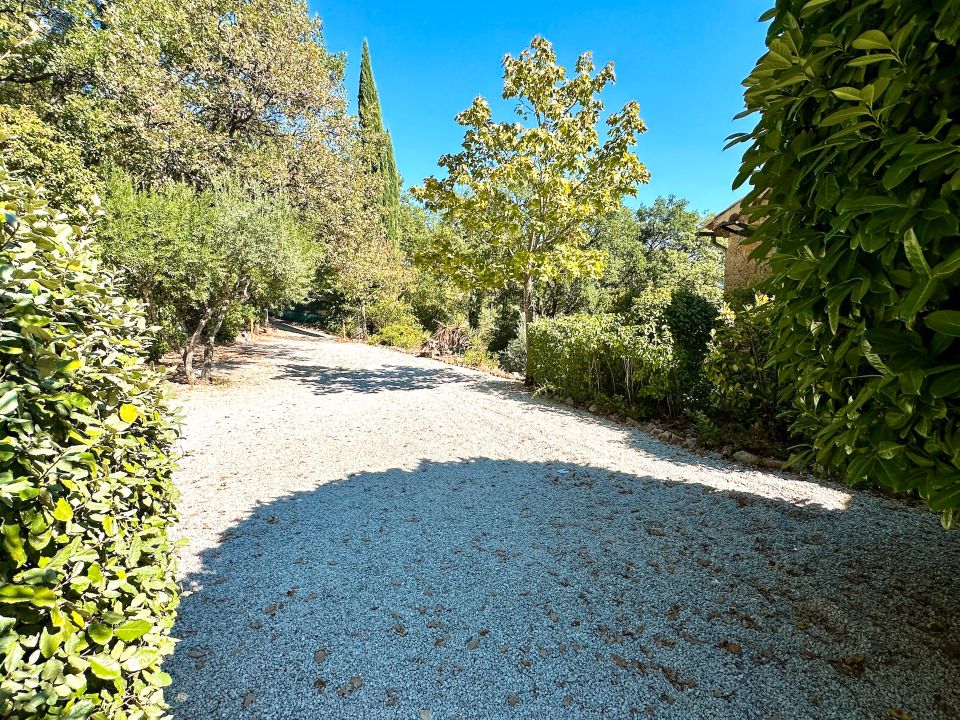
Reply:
x=100, y=634
x=13, y=544
x=133, y=629
x=63, y=512
x=945, y=322
x=872, y=40
x=8, y=402
x=104, y=667
x=848, y=93
x=16, y=593
x=915, y=254
x=946, y=385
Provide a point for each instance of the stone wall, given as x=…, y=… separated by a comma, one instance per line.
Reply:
x=738, y=270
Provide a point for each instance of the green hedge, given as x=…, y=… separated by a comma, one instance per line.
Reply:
x=855, y=165
x=744, y=387
x=87, y=592
x=401, y=335
x=591, y=357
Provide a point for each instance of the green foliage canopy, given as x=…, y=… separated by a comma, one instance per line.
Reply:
x=192, y=254
x=521, y=195
x=855, y=165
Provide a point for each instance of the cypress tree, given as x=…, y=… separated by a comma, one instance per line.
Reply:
x=380, y=146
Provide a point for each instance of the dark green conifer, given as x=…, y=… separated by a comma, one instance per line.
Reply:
x=377, y=140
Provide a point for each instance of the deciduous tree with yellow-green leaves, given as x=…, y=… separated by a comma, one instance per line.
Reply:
x=521, y=194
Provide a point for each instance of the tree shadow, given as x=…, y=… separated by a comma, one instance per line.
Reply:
x=325, y=380
x=503, y=589
x=300, y=330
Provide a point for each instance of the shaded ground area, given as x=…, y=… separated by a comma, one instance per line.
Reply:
x=380, y=536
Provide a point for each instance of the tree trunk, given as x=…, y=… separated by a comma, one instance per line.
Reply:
x=188, y=361
x=191, y=345
x=527, y=320
x=214, y=327
x=474, y=307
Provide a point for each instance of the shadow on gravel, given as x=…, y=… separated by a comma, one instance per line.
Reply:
x=234, y=356
x=298, y=330
x=325, y=380
x=488, y=589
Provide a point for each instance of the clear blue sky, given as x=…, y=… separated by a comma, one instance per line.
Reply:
x=682, y=60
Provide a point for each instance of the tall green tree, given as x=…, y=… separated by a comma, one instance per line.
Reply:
x=522, y=195
x=379, y=146
x=658, y=248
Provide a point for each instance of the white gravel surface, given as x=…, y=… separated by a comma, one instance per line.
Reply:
x=373, y=535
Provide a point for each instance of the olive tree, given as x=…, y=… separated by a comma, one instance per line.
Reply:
x=192, y=254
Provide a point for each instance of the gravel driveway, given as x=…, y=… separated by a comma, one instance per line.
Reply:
x=373, y=535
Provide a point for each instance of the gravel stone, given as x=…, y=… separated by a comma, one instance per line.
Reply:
x=360, y=478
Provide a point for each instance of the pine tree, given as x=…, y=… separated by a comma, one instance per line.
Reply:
x=379, y=145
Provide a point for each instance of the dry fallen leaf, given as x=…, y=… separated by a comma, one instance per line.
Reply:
x=320, y=684
x=619, y=660
x=731, y=647
x=320, y=655
x=513, y=699
x=853, y=665
x=675, y=680
x=248, y=699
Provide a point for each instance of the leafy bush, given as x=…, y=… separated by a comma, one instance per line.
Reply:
x=236, y=321
x=87, y=592
x=477, y=355
x=743, y=386
x=514, y=356
x=594, y=356
x=401, y=335
x=855, y=167
x=690, y=318
x=384, y=311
